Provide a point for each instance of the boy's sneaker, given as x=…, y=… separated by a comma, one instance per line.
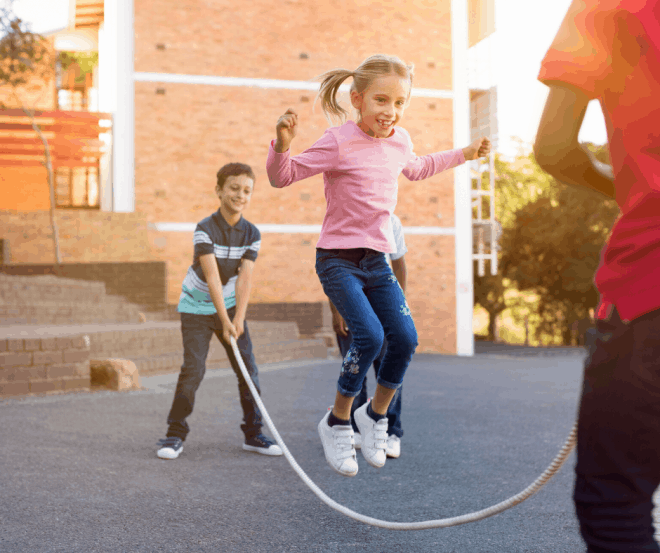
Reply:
x=357, y=438
x=170, y=448
x=374, y=437
x=262, y=444
x=338, y=447
x=393, y=447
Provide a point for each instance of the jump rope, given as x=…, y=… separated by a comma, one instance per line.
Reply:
x=530, y=490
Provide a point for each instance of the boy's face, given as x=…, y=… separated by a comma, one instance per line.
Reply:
x=236, y=193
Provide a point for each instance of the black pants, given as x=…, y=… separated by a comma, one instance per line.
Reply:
x=197, y=331
x=618, y=448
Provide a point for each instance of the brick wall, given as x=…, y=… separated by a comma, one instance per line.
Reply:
x=39, y=365
x=185, y=133
x=311, y=317
x=266, y=39
x=85, y=236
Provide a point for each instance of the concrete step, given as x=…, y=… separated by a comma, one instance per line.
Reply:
x=33, y=289
x=58, y=313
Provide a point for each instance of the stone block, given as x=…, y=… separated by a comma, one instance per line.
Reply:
x=14, y=388
x=44, y=386
x=115, y=374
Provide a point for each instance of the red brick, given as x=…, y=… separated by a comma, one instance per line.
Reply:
x=63, y=343
x=43, y=386
x=48, y=344
x=62, y=371
x=14, y=388
x=31, y=344
x=71, y=383
x=76, y=356
x=22, y=374
x=78, y=342
x=47, y=357
x=12, y=358
x=82, y=369
x=14, y=344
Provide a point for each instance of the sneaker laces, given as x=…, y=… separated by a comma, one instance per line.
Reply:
x=343, y=442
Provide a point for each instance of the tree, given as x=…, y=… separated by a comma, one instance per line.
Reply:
x=517, y=184
x=24, y=57
x=557, y=240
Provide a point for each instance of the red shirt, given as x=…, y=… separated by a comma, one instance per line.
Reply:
x=610, y=49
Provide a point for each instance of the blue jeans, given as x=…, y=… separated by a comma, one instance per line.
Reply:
x=618, y=443
x=361, y=285
x=394, y=410
x=197, y=331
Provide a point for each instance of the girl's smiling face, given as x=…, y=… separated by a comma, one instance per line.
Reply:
x=381, y=105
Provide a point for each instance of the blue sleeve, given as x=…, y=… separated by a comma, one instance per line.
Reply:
x=202, y=241
x=255, y=243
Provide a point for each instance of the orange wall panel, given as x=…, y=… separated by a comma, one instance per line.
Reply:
x=24, y=189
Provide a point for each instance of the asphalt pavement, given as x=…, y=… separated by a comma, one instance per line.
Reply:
x=80, y=472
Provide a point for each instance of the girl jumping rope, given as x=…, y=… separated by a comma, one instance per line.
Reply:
x=361, y=162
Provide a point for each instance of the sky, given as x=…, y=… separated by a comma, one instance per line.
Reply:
x=524, y=31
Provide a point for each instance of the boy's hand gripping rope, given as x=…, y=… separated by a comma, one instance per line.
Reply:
x=552, y=469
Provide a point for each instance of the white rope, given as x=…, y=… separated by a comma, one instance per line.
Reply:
x=554, y=467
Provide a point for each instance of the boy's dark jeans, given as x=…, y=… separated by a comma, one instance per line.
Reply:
x=618, y=444
x=394, y=410
x=197, y=331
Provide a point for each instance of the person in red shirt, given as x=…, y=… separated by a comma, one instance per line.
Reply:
x=610, y=50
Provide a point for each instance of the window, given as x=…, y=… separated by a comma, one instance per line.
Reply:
x=77, y=187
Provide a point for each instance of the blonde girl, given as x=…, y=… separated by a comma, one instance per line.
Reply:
x=361, y=162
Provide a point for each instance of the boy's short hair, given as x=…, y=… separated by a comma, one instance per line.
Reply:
x=233, y=170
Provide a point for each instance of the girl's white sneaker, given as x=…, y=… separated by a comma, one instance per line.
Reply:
x=393, y=446
x=338, y=447
x=374, y=437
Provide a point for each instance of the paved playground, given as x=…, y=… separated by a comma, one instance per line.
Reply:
x=80, y=473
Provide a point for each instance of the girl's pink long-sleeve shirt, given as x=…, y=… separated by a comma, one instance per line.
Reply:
x=361, y=181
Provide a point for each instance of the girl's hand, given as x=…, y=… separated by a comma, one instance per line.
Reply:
x=339, y=325
x=287, y=126
x=479, y=148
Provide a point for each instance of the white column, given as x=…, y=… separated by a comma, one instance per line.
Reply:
x=107, y=91
x=462, y=194
x=118, y=16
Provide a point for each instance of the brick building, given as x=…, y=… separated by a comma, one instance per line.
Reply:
x=192, y=85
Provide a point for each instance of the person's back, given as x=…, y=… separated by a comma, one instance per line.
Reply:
x=610, y=50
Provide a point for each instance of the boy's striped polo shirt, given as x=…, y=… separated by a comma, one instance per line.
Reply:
x=230, y=245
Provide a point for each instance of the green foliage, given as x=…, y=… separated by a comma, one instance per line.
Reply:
x=552, y=236
x=86, y=61
x=23, y=55
x=554, y=246
x=517, y=184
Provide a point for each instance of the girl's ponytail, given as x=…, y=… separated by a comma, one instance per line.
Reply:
x=370, y=69
x=330, y=83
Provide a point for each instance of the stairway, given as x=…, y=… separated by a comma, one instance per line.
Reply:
x=36, y=311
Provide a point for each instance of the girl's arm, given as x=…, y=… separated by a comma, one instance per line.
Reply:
x=419, y=168
x=283, y=169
